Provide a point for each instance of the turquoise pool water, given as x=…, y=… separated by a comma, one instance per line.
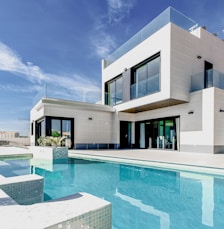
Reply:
x=142, y=198
x=14, y=167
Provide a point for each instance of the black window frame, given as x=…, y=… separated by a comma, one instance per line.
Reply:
x=107, y=96
x=139, y=65
x=48, y=126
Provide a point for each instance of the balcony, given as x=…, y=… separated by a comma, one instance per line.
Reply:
x=145, y=87
x=168, y=15
x=212, y=78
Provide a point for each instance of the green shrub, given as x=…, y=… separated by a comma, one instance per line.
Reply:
x=51, y=141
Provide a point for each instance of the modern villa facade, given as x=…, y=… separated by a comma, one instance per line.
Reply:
x=162, y=89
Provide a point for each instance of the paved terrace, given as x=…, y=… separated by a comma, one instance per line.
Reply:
x=158, y=158
x=203, y=162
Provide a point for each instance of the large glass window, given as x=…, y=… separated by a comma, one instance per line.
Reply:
x=62, y=128
x=57, y=127
x=114, y=93
x=66, y=131
x=146, y=77
x=40, y=128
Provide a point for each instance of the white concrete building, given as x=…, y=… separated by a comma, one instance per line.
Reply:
x=8, y=134
x=162, y=89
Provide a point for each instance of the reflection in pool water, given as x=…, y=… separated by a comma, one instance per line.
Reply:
x=142, y=197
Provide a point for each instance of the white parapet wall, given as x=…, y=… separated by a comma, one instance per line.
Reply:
x=81, y=210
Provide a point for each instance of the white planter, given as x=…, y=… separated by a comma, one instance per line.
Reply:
x=48, y=158
x=49, y=153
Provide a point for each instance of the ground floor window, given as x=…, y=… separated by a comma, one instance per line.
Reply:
x=56, y=127
x=158, y=133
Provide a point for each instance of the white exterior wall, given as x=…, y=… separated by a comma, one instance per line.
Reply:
x=184, y=62
x=201, y=140
x=185, y=47
x=201, y=131
x=188, y=122
x=197, y=129
x=219, y=120
x=152, y=45
x=36, y=113
x=100, y=129
x=179, y=51
x=210, y=48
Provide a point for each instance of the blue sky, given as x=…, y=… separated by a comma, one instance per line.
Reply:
x=62, y=43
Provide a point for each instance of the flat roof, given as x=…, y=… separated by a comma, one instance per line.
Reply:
x=74, y=104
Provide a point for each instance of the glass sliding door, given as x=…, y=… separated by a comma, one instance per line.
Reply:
x=170, y=133
x=40, y=130
x=112, y=94
x=119, y=91
x=114, y=91
x=145, y=79
x=160, y=133
x=142, y=135
x=208, y=74
x=141, y=74
x=66, y=132
x=125, y=134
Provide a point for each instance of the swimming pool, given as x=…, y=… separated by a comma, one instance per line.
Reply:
x=142, y=197
x=14, y=167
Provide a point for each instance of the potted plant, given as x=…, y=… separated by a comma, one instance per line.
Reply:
x=50, y=147
x=51, y=141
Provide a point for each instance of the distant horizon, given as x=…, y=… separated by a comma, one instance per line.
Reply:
x=62, y=43
x=2, y=132
x=7, y=132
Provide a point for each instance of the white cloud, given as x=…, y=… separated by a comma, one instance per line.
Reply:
x=104, y=44
x=19, y=89
x=10, y=61
x=76, y=87
x=72, y=85
x=118, y=9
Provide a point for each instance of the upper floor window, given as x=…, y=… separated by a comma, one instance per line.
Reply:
x=113, y=91
x=146, y=77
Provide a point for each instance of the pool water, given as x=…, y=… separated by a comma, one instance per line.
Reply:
x=14, y=167
x=142, y=198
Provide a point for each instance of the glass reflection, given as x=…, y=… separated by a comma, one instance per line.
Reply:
x=143, y=197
